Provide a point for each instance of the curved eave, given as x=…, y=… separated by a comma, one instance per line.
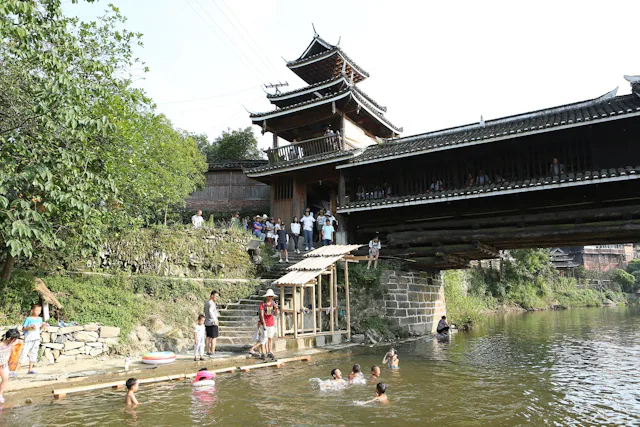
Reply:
x=308, y=162
x=257, y=118
x=324, y=55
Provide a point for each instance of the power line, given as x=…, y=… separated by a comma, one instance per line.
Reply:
x=258, y=52
x=246, y=60
x=207, y=98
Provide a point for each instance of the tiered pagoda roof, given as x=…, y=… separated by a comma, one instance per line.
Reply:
x=332, y=77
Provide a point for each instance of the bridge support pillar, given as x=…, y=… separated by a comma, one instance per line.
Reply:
x=413, y=300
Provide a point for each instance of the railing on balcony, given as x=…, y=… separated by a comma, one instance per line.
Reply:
x=308, y=148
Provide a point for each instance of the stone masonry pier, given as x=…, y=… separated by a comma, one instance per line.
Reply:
x=414, y=300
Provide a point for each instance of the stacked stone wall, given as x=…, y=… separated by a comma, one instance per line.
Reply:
x=414, y=300
x=59, y=344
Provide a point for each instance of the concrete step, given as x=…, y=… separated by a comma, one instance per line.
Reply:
x=240, y=312
x=221, y=342
x=237, y=330
x=243, y=322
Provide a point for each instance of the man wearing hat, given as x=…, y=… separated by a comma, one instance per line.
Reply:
x=268, y=310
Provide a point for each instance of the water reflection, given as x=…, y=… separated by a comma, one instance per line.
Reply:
x=576, y=367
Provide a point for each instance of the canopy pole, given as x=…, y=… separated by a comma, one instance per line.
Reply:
x=346, y=290
x=313, y=309
x=319, y=313
x=331, y=300
x=282, y=319
x=295, y=313
x=302, y=307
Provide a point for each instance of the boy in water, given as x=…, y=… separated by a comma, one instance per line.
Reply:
x=31, y=327
x=198, y=338
x=375, y=374
x=336, y=375
x=381, y=394
x=356, y=372
x=132, y=387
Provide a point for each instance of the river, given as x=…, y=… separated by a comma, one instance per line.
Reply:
x=573, y=367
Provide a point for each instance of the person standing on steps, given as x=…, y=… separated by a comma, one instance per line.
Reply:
x=211, y=323
x=283, y=241
x=295, y=233
x=307, y=227
x=268, y=310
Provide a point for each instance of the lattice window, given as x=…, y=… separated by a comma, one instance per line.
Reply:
x=284, y=188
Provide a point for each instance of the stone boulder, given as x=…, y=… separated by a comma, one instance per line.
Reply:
x=373, y=336
x=86, y=336
x=70, y=329
x=358, y=338
x=72, y=345
x=109, y=332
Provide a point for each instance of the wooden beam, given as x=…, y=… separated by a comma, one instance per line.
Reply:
x=282, y=319
x=314, y=315
x=331, y=301
x=346, y=290
x=319, y=303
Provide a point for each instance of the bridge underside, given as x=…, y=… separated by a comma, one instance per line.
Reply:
x=449, y=235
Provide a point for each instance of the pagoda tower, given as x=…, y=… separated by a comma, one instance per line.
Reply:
x=323, y=124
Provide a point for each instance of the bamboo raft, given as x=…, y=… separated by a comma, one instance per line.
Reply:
x=62, y=393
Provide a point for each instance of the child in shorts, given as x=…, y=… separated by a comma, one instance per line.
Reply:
x=32, y=326
x=257, y=338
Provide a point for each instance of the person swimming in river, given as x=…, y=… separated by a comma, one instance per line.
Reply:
x=132, y=385
x=391, y=359
x=381, y=395
x=204, y=374
x=375, y=374
x=356, y=374
x=336, y=376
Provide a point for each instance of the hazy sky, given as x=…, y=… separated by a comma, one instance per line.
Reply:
x=433, y=64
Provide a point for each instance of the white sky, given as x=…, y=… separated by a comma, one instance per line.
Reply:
x=433, y=64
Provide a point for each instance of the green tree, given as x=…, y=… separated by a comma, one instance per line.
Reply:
x=240, y=144
x=625, y=280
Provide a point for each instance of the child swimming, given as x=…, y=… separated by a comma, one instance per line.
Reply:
x=356, y=375
x=336, y=375
x=375, y=374
x=381, y=395
x=391, y=359
x=9, y=339
x=132, y=387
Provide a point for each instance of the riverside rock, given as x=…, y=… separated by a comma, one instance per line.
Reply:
x=86, y=336
x=109, y=332
x=72, y=345
x=70, y=329
x=54, y=346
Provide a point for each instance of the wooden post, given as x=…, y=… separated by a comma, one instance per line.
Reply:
x=335, y=293
x=313, y=309
x=346, y=291
x=275, y=140
x=295, y=315
x=319, y=313
x=302, y=307
x=282, y=319
x=45, y=311
x=331, y=300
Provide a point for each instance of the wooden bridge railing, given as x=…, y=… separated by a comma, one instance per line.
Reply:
x=307, y=148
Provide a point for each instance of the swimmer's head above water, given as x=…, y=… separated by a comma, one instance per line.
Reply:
x=375, y=371
x=381, y=388
x=356, y=368
x=336, y=374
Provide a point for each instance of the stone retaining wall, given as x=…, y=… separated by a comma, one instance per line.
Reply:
x=414, y=300
x=60, y=344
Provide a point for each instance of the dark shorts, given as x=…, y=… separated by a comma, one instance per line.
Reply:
x=212, y=331
x=282, y=246
x=445, y=329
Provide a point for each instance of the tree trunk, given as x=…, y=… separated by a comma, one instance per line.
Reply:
x=7, y=269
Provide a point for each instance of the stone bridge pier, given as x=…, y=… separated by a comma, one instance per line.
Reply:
x=414, y=300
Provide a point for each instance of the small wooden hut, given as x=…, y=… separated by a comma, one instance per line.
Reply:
x=306, y=277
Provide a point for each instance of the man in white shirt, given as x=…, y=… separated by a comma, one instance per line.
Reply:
x=307, y=228
x=211, y=323
x=197, y=220
x=327, y=233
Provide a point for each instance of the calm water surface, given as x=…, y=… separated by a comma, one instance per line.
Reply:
x=576, y=367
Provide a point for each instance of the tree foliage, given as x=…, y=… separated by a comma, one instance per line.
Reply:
x=625, y=280
x=232, y=145
x=68, y=136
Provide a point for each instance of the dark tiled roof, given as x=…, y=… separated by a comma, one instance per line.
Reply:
x=521, y=124
x=355, y=92
x=337, y=155
x=302, y=89
x=514, y=186
x=327, y=53
x=239, y=164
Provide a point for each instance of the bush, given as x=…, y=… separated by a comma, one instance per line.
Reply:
x=634, y=266
x=625, y=280
x=460, y=305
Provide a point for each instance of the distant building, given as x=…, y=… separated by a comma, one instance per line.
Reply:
x=594, y=258
x=228, y=189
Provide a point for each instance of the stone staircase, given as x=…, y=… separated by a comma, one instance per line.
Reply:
x=238, y=320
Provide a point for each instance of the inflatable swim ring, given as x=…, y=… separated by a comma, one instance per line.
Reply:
x=159, y=357
x=204, y=375
x=15, y=356
x=204, y=383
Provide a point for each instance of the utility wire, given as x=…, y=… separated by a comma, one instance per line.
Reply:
x=254, y=70
x=209, y=97
x=259, y=50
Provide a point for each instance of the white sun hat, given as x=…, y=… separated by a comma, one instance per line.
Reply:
x=270, y=293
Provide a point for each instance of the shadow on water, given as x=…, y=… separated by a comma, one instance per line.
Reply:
x=574, y=367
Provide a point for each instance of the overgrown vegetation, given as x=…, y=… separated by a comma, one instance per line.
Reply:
x=121, y=300
x=528, y=280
